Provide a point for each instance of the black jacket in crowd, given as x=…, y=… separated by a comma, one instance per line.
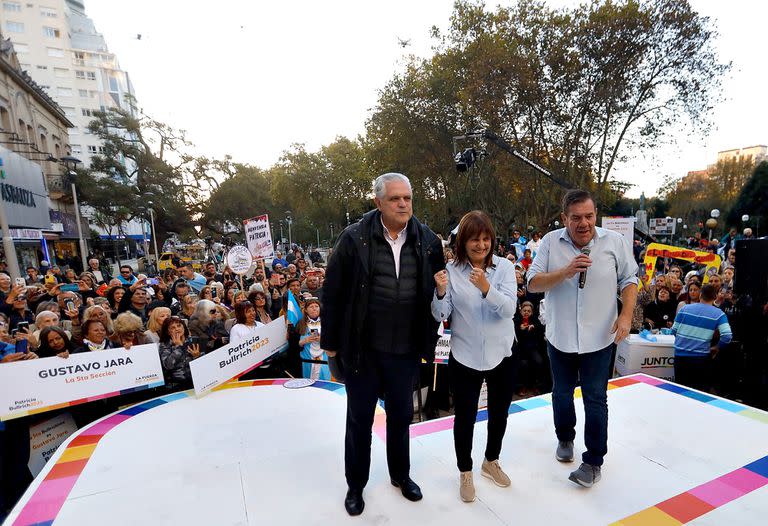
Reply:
x=347, y=285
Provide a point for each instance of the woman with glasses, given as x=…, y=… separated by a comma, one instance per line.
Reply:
x=176, y=352
x=259, y=300
x=129, y=331
x=206, y=324
x=188, y=304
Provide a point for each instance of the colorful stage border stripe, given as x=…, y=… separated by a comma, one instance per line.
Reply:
x=45, y=503
x=37, y=410
x=48, y=498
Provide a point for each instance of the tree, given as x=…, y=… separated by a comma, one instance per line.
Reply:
x=752, y=200
x=574, y=90
x=693, y=197
x=142, y=164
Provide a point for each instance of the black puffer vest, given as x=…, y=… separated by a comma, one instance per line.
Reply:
x=392, y=304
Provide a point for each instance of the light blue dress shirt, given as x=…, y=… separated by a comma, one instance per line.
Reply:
x=482, y=329
x=580, y=320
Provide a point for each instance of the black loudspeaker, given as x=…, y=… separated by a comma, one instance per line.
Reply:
x=752, y=268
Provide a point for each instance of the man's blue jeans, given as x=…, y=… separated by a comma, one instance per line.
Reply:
x=590, y=370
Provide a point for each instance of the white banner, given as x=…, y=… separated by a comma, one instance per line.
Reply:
x=623, y=225
x=33, y=386
x=46, y=437
x=217, y=368
x=259, y=237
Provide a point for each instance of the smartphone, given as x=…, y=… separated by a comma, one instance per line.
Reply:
x=312, y=331
x=22, y=346
x=23, y=326
x=70, y=287
x=195, y=340
x=214, y=292
x=69, y=304
x=20, y=282
x=152, y=281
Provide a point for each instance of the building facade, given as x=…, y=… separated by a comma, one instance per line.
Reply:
x=58, y=44
x=33, y=136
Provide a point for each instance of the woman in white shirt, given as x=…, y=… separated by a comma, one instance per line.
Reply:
x=479, y=290
x=246, y=325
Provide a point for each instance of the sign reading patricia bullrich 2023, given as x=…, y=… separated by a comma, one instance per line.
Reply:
x=34, y=386
x=223, y=364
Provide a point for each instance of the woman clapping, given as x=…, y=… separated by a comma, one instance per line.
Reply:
x=479, y=290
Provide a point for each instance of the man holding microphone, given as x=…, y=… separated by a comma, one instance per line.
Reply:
x=580, y=268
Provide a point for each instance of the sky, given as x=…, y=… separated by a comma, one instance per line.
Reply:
x=250, y=78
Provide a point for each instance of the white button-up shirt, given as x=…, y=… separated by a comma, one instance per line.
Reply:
x=396, y=244
x=482, y=329
x=580, y=320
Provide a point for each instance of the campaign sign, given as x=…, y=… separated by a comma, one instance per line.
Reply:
x=443, y=347
x=33, y=386
x=259, y=237
x=239, y=259
x=45, y=438
x=220, y=366
x=635, y=354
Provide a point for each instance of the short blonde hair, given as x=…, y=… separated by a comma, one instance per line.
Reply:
x=128, y=322
x=90, y=313
x=153, y=324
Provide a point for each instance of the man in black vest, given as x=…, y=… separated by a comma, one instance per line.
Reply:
x=377, y=323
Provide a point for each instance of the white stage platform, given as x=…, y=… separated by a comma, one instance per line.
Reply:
x=258, y=453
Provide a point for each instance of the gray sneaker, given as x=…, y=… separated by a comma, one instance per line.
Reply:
x=587, y=475
x=564, y=451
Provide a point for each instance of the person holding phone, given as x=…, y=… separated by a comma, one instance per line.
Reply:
x=177, y=350
x=479, y=291
x=14, y=347
x=16, y=303
x=314, y=361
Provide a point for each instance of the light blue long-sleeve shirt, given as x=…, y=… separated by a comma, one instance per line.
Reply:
x=580, y=320
x=482, y=329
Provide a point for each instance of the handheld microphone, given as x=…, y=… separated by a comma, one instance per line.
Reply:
x=583, y=273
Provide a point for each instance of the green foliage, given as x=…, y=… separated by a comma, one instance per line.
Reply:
x=753, y=200
x=693, y=197
x=572, y=89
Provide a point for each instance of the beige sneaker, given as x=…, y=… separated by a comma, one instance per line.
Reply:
x=492, y=470
x=466, y=486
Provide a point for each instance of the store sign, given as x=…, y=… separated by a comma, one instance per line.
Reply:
x=25, y=233
x=22, y=190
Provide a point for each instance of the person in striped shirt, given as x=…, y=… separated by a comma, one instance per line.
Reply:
x=694, y=327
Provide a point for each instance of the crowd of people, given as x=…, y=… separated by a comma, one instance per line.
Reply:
x=58, y=311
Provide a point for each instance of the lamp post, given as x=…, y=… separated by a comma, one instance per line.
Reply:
x=679, y=229
x=70, y=163
x=8, y=248
x=712, y=221
x=289, y=219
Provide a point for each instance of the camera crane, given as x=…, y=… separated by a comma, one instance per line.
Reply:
x=465, y=159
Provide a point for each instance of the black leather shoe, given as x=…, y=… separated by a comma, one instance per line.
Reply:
x=409, y=488
x=354, y=502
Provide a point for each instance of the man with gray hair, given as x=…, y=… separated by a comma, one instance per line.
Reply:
x=102, y=275
x=377, y=325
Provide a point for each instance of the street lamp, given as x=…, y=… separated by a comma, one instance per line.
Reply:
x=712, y=221
x=70, y=163
x=150, y=195
x=290, y=222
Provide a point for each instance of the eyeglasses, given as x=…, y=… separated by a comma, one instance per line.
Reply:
x=212, y=311
x=125, y=272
